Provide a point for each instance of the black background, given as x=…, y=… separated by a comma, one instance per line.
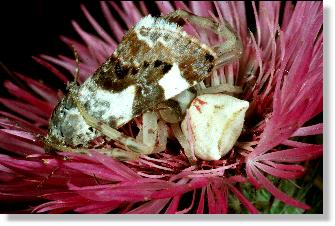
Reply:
x=30, y=28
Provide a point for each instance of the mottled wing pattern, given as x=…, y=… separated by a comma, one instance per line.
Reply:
x=155, y=61
x=159, y=60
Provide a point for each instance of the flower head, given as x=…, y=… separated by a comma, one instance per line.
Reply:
x=281, y=75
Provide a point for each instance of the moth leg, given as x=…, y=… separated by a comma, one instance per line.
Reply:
x=110, y=132
x=228, y=51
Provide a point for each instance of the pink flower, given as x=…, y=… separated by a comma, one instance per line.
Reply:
x=280, y=70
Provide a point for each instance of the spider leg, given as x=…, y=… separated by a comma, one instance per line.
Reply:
x=128, y=142
x=228, y=51
x=116, y=153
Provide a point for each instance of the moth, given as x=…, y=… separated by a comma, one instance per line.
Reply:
x=153, y=68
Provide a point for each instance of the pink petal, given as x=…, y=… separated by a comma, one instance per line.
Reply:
x=152, y=207
x=98, y=208
x=294, y=155
x=135, y=15
x=113, y=24
x=12, y=143
x=98, y=28
x=94, y=170
x=285, y=174
x=211, y=200
x=180, y=189
x=251, y=208
x=173, y=206
x=47, y=93
x=309, y=130
x=25, y=110
x=221, y=195
x=276, y=192
x=116, y=166
x=165, y=7
x=52, y=69
x=200, y=209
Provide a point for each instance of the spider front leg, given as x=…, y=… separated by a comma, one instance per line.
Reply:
x=228, y=51
x=129, y=142
x=116, y=153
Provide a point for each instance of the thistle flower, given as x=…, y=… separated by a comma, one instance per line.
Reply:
x=281, y=75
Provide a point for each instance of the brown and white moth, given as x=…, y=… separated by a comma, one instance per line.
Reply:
x=155, y=61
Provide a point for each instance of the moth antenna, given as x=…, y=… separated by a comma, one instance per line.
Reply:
x=76, y=72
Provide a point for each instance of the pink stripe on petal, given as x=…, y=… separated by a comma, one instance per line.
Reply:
x=221, y=194
x=123, y=195
x=113, y=24
x=83, y=52
x=85, y=70
x=226, y=11
x=288, y=167
x=164, y=7
x=47, y=93
x=99, y=49
x=143, y=8
x=180, y=189
x=61, y=206
x=25, y=110
x=285, y=174
x=151, y=207
x=153, y=165
x=309, y=130
x=21, y=134
x=211, y=200
x=98, y=208
x=288, y=11
x=201, y=8
x=27, y=97
x=29, y=167
x=186, y=210
x=126, y=18
x=295, y=144
x=182, y=5
x=135, y=14
x=276, y=192
x=251, y=208
x=98, y=28
x=173, y=206
x=240, y=12
x=7, y=123
x=201, y=205
x=94, y=170
x=145, y=184
x=51, y=68
x=14, y=144
x=10, y=121
x=294, y=155
x=115, y=166
x=251, y=177
x=235, y=179
x=59, y=195
x=258, y=26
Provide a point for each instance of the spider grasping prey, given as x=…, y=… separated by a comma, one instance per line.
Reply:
x=153, y=72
